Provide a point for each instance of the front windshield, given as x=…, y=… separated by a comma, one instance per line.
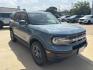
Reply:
x=87, y=16
x=43, y=19
x=73, y=16
x=63, y=16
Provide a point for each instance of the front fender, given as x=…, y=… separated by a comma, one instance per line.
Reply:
x=42, y=37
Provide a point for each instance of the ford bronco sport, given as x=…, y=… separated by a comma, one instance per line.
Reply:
x=45, y=35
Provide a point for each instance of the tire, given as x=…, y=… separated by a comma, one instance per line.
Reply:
x=38, y=53
x=12, y=36
x=80, y=23
x=89, y=22
x=1, y=25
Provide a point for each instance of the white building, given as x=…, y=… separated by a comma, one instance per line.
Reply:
x=7, y=10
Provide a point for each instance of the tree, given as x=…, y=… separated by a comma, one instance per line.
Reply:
x=53, y=10
x=81, y=8
x=65, y=12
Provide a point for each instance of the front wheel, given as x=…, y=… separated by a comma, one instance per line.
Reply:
x=38, y=53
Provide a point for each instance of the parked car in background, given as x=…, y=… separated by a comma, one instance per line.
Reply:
x=73, y=19
x=44, y=35
x=4, y=19
x=63, y=18
x=88, y=19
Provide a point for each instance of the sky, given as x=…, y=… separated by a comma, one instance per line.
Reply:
x=33, y=5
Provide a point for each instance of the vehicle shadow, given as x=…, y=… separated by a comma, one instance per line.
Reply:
x=73, y=63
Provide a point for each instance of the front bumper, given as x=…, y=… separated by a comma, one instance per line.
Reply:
x=72, y=21
x=66, y=52
x=83, y=21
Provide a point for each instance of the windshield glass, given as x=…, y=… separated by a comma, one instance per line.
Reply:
x=43, y=19
x=73, y=16
x=87, y=16
x=63, y=16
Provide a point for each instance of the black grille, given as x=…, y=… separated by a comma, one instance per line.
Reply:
x=78, y=40
x=76, y=35
x=80, y=45
x=81, y=19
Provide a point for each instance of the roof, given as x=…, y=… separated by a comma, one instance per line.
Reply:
x=38, y=12
x=7, y=10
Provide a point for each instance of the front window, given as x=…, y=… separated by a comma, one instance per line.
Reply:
x=63, y=16
x=87, y=16
x=73, y=16
x=43, y=19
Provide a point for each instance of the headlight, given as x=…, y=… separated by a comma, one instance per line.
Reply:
x=60, y=41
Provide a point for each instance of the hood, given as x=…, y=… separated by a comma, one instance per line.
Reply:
x=84, y=18
x=59, y=28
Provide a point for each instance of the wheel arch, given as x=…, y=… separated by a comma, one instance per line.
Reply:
x=44, y=51
x=33, y=40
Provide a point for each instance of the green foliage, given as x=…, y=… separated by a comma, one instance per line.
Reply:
x=81, y=8
x=65, y=12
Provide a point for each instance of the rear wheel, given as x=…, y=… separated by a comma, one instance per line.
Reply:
x=1, y=25
x=12, y=36
x=38, y=53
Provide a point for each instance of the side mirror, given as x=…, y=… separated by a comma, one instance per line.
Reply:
x=22, y=22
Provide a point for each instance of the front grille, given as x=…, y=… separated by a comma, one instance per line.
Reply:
x=77, y=37
x=81, y=19
x=79, y=45
x=83, y=39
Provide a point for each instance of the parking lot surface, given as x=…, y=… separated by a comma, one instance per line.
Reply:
x=15, y=56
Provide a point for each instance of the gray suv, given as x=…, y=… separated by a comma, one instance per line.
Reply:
x=4, y=19
x=46, y=36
